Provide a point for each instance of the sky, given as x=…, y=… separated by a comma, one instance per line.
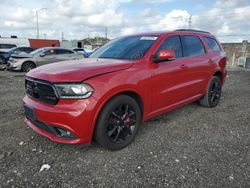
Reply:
x=229, y=20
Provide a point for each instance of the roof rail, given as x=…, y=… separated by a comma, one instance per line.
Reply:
x=193, y=30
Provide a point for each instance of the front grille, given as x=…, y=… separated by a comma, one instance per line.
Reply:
x=41, y=91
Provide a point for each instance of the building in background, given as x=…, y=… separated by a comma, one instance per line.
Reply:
x=7, y=43
x=71, y=44
x=40, y=43
x=94, y=43
x=33, y=43
x=238, y=53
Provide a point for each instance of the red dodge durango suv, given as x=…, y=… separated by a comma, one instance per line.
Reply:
x=127, y=81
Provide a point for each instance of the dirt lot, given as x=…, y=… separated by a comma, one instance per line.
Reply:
x=188, y=147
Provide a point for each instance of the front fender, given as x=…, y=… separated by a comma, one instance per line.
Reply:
x=109, y=85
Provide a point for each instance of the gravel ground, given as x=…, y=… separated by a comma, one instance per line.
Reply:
x=188, y=147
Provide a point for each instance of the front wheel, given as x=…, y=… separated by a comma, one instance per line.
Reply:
x=118, y=123
x=213, y=94
x=27, y=66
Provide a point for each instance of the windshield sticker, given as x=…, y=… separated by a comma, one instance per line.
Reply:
x=148, y=38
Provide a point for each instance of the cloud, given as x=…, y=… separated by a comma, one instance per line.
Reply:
x=81, y=18
x=153, y=1
x=231, y=3
x=145, y=1
x=175, y=19
x=68, y=16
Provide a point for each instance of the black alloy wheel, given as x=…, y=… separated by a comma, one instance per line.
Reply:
x=118, y=122
x=121, y=123
x=213, y=94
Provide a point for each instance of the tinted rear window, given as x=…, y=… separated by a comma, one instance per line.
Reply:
x=212, y=43
x=63, y=51
x=192, y=46
x=24, y=49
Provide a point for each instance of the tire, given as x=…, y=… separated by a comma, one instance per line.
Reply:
x=2, y=60
x=27, y=66
x=118, y=123
x=213, y=93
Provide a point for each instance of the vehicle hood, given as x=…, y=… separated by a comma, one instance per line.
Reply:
x=78, y=70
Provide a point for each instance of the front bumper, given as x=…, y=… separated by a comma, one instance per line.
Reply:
x=13, y=66
x=75, y=116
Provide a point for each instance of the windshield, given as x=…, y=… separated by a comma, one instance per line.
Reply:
x=130, y=48
x=38, y=52
x=12, y=49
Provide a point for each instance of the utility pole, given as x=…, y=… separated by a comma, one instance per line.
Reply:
x=106, y=32
x=62, y=36
x=37, y=22
x=37, y=25
x=190, y=22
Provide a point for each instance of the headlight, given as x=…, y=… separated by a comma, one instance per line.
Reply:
x=74, y=91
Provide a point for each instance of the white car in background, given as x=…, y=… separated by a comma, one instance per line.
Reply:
x=41, y=56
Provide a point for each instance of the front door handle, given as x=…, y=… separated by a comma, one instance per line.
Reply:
x=183, y=66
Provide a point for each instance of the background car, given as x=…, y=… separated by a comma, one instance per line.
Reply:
x=41, y=56
x=86, y=53
x=6, y=47
x=5, y=55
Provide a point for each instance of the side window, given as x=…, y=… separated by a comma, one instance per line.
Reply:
x=212, y=43
x=20, y=49
x=172, y=43
x=63, y=51
x=28, y=50
x=192, y=46
x=50, y=52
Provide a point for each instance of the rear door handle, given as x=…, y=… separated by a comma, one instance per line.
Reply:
x=210, y=61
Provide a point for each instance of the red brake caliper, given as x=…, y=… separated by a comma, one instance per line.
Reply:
x=128, y=121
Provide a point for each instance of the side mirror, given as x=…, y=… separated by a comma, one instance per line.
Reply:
x=164, y=55
x=42, y=54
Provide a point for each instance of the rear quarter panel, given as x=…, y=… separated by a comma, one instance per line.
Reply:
x=218, y=58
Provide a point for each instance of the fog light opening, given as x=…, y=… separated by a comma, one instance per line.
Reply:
x=65, y=133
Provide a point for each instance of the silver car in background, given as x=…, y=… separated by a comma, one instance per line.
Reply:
x=26, y=62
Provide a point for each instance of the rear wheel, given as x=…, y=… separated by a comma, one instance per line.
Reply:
x=27, y=66
x=213, y=94
x=118, y=123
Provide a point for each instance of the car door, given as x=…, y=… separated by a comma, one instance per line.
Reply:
x=196, y=60
x=64, y=55
x=169, y=76
x=74, y=55
x=46, y=57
